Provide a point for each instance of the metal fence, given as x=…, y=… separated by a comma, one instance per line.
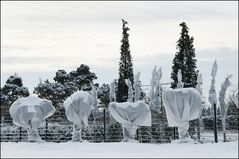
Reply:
x=103, y=128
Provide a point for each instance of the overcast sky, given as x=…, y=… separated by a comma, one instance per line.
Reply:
x=39, y=38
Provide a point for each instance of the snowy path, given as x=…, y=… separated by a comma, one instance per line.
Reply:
x=138, y=150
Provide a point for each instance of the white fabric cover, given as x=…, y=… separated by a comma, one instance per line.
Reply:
x=137, y=113
x=137, y=84
x=212, y=98
x=155, y=90
x=221, y=98
x=28, y=112
x=199, y=83
x=78, y=108
x=131, y=115
x=182, y=105
x=180, y=84
x=235, y=98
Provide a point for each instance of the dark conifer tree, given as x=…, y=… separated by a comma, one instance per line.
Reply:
x=12, y=90
x=125, y=66
x=82, y=77
x=185, y=60
x=9, y=93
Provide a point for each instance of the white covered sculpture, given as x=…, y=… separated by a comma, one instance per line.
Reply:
x=180, y=84
x=182, y=105
x=235, y=98
x=155, y=90
x=212, y=92
x=223, y=105
x=137, y=91
x=131, y=115
x=112, y=92
x=78, y=108
x=28, y=113
x=130, y=91
x=199, y=83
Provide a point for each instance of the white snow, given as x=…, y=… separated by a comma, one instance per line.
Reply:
x=119, y=150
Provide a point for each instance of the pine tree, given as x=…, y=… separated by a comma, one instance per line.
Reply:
x=185, y=60
x=10, y=92
x=56, y=92
x=82, y=77
x=125, y=67
x=62, y=77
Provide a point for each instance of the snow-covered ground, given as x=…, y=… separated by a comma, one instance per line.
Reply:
x=120, y=150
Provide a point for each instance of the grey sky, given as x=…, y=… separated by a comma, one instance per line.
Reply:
x=38, y=38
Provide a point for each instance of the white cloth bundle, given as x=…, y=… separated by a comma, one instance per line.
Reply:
x=28, y=112
x=79, y=106
x=137, y=113
x=182, y=105
x=131, y=115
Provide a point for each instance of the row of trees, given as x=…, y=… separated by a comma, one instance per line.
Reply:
x=66, y=83
x=184, y=60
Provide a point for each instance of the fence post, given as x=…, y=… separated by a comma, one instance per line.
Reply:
x=104, y=126
x=46, y=130
x=137, y=134
x=174, y=133
x=20, y=133
x=215, y=122
x=198, y=128
x=224, y=137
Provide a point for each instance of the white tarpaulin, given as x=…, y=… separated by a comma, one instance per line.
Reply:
x=78, y=108
x=182, y=105
x=131, y=115
x=28, y=112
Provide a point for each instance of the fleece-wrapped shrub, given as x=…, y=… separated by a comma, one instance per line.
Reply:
x=131, y=116
x=78, y=108
x=28, y=113
x=235, y=98
x=182, y=105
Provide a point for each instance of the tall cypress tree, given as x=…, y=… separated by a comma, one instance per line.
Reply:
x=125, y=66
x=185, y=60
